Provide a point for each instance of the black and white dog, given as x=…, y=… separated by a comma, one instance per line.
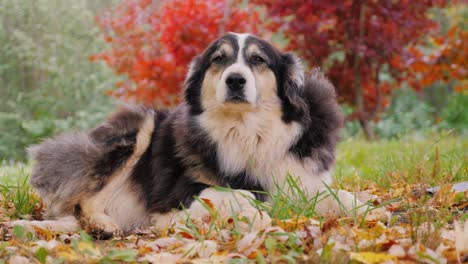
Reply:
x=250, y=118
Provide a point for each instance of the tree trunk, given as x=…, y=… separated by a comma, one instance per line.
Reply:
x=363, y=116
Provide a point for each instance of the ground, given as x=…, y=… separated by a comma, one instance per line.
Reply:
x=423, y=227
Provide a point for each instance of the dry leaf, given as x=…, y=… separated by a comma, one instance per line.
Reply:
x=43, y=233
x=203, y=249
x=397, y=251
x=371, y=257
x=162, y=257
x=208, y=202
x=19, y=260
x=67, y=253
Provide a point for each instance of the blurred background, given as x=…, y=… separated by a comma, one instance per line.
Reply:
x=400, y=67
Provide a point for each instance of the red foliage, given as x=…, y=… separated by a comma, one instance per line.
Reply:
x=353, y=40
x=152, y=44
x=445, y=62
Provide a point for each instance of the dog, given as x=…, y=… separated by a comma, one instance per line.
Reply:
x=250, y=117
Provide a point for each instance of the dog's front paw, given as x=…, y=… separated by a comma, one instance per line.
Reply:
x=343, y=203
x=100, y=226
x=238, y=204
x=233, y=206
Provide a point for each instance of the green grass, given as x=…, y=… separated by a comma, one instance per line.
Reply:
x=436, y=160
x=18, y=199
x=381, y=166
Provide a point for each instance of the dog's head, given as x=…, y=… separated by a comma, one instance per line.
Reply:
x=240, y=72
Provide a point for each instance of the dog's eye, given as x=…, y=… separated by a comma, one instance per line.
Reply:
x=219, y=59
x=255, y=59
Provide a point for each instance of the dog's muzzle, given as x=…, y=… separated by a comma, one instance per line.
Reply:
x=235, y=83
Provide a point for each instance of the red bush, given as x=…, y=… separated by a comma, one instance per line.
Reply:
x=152, y=44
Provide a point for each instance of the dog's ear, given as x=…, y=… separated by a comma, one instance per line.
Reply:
x=193, y=82
x=292, y=88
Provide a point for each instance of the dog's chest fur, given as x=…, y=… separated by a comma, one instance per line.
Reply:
x=258, y=143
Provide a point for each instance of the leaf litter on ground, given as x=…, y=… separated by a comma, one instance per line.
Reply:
x=422, y=229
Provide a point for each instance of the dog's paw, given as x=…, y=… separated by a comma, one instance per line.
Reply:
x=252, y=219
x=345, y=204
x=233, y=206
x=101, y=226
x=238, y=204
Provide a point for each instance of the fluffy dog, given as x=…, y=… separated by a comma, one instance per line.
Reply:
x=249, y=118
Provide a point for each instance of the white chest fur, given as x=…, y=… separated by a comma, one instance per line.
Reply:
x=259, y=143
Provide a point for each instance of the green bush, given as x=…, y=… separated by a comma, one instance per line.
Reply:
x=411, y=113
x=48, y=84
x=407, y=113
x=455, y=114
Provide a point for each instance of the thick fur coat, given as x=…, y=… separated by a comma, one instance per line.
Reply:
x=250, y=117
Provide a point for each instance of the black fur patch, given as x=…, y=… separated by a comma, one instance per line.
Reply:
x=321, y=131
x=113, y=160
x=161, y=174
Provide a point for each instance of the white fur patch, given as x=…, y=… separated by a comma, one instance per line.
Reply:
x=227, y=204
x=117, y=200
x=259, y=142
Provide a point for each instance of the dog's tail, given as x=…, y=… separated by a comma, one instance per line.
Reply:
x=71, y=166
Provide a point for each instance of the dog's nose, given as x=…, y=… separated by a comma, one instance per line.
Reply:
x=235, y=81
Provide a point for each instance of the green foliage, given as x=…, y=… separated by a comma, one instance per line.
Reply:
x=19, y=133
x=47, y=79
x=413, y=114
x=407, y=113
x=455, y=115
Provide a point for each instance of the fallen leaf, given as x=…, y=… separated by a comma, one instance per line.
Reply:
x=208, y=202
x=371, y=257
x=88, y=248
x=43, y=233
x=203, y=249
x=67, y=253
x=163, y=257
x=19, y=260
x=397, y=251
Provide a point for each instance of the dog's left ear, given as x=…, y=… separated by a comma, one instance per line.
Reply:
x=192, y=85
x=292, y=88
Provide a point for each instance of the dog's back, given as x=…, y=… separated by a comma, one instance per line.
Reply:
x=74, y=166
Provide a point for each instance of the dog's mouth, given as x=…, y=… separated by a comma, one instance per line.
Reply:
x=236, y=100
x=235, y=97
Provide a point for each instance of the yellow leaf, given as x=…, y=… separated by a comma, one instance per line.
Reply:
x=43, y=233
x=88, y=248
x=371, y=257
x=67, y=253
x=293, y=223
